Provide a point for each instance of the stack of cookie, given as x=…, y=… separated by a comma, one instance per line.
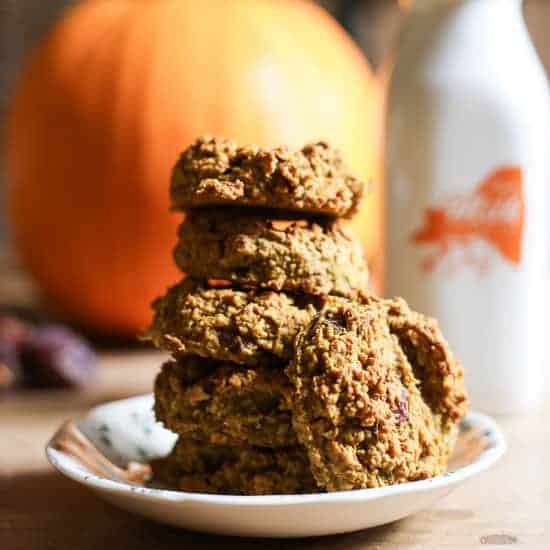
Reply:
x=275, y=288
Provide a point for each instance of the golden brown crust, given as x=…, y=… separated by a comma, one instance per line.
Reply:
x=440, y=375
x=316, y=257
x=213, y=172
x=357, y=408
x=204, y=468
x=227, y=404
x=245, y=327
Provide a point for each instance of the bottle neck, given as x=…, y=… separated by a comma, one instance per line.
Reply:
x=468, y=32
x=502, y=5
x=466, y=18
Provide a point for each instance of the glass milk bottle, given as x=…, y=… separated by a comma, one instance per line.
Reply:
x=467, y=164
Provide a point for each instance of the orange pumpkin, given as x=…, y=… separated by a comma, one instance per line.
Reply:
x=118, y=88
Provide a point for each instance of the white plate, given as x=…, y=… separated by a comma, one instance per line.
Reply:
x=124, y=431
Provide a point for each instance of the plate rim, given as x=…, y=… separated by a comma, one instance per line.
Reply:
x=67, y=467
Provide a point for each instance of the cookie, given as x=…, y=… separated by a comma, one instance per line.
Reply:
x=226, y=404
x=440, y=375
x=214, y=172
x=357, y=408
x=314, y=257
x=201, y=467
x=245, y=327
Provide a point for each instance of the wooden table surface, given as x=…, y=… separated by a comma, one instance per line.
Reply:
x=39, y=509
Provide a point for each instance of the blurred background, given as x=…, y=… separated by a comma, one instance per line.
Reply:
x=373, y=24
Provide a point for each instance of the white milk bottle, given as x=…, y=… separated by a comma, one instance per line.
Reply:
x=467, y=164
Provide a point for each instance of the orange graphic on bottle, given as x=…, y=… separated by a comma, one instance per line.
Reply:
x=493, y=213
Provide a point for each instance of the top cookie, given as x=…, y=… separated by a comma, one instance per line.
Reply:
x=214, y=172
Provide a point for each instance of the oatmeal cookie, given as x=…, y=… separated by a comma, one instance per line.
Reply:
x=245, y=327
x=214, y=172
x=316, y=257
x=244, y=470
x=357, y=408
x=227, y=405
x=440, y=375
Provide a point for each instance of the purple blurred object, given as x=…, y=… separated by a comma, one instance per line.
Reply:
x=54, y=356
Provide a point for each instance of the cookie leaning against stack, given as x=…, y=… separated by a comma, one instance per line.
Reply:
x=286, y=376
